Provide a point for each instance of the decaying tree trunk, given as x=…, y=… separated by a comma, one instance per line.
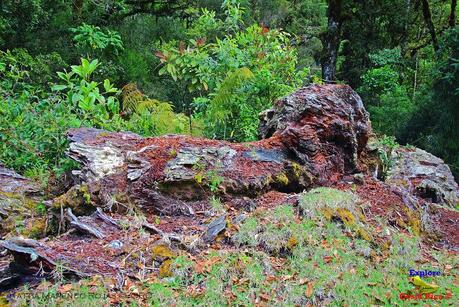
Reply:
x=452, y=15
x=77, y=7
x=313, y=136
x=430, y=25
x=331, y=40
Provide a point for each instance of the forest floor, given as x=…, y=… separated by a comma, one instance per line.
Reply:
x=317, y=249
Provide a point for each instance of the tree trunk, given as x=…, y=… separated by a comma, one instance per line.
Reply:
x=331, y=40
x=428, y=19
x=77, y=8
x=452, y=15
x=403, y=41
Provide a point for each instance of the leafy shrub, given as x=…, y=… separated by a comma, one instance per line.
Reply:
x=388, y=101
x=33, y=122
x=92, y=41
x=35, y=70
x=151, y=116
x=85, y=97
x=235, y=77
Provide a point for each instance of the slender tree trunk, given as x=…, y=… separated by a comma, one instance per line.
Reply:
x=404, y=39
x=331, y=41
x=77, y=8
x=415, y=82
x=430, y=25
x=452, y=15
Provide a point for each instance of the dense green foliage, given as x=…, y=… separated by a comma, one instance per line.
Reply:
x=233, y=78
x=33, y=122
x=209, y=67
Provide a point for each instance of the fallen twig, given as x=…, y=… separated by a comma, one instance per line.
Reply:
x=167, y=237
x=107, y=219
x=83, y=226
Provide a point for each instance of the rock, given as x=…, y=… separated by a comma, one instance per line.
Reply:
x=239, y=219
x=359, y=178
x=115, y=244
x=28, y=259
x=214, y=228
x=19, y=197
x=424, y=176
x=12, y=182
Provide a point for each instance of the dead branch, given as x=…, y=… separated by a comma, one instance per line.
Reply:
x=83, y=227
x=107, y=219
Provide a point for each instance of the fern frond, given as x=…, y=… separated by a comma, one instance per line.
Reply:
x=220, y=107
x=160, y=113
x=131, y=97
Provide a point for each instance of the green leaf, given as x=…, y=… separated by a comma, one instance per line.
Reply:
x=58, y=87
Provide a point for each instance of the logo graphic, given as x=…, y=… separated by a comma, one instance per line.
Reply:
x=422, y=286
x=424, y=290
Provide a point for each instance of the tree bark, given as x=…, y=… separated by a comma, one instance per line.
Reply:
x=452, y=15
x=331, y=41
x=430, y=25
x=77, y=8
x=404, y=39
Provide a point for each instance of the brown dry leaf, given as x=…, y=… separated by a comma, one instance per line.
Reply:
x=309, y=289
x=95, y=281
x=271, y=278
x=303, y=281
x=114, y=299
x=65, y=288
x=422, y=261
x=194, y=291
x=93, y=289
x=242, y=281
x=371, y=284
x=182, y=47
x=201, y=41
x=206, y=265
x=265, y=297
x=448, y=268
x=161, y=56
x=44, y=285
x=287, y=277
x=199, y=267
x=377, y=297
x=134, y=290
x=327, y=259
x=264, y=29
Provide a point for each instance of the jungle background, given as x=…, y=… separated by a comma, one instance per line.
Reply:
x=208, y=68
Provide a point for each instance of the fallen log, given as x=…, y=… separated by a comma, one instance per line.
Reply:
x=315, y=135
